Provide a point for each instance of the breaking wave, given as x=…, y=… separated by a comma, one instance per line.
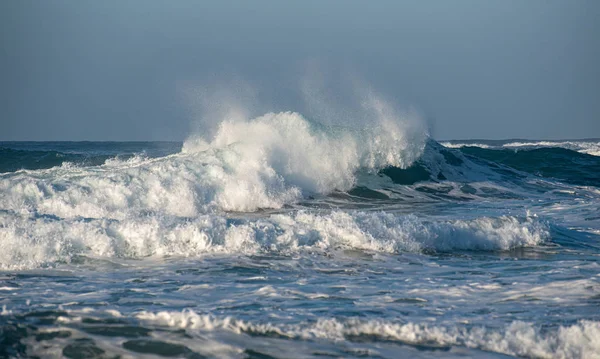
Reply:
x=192, y=202
x=30, y=242
x=267, y=162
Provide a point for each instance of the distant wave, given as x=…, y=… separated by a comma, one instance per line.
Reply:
x=590, y=147
x=12, y=160
x=558, y=163
x=31, y=156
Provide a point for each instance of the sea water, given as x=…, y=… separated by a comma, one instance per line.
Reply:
x=278, y=237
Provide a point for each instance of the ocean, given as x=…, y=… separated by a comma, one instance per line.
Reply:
x=283, y=238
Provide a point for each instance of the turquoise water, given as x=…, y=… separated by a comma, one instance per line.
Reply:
x=230, y=250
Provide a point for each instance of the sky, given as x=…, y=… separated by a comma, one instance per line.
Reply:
x=140, y=69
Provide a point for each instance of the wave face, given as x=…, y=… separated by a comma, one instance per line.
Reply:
x=279, y=236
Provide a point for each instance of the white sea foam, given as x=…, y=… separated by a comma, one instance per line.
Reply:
x=460, y=145
x=579, y=340
x=30, y=242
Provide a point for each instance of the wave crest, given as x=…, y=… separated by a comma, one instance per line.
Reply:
x=309, y=156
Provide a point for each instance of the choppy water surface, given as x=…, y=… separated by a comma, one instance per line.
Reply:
x=279, y=239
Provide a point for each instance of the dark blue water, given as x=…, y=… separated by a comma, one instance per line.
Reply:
x=300, y=247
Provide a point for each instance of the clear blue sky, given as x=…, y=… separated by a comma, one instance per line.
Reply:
x=113, y=70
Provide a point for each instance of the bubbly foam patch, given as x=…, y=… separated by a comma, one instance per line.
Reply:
x=579, y=340
x=33, y=241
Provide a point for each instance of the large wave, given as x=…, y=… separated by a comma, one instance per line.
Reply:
x=188, y=203
x=178, y=204
x=266, y=162
x=175, y=204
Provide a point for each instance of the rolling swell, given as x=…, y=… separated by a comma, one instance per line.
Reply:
x=558, y=163
x=475, y=163
x=15, y=156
